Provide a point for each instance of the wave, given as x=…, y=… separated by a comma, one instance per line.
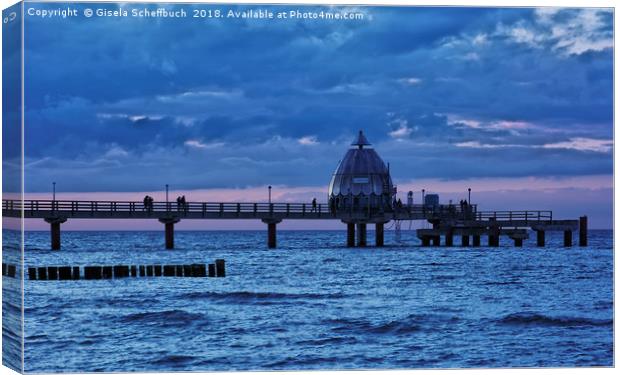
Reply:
x=165, y=318
x=174, y=360
x=544, y=320
x=409, y=324
x=260, y=297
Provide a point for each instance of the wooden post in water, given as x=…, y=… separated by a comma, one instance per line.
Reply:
x=220, y=267
x=568, y=238
x=583, y=231
x=493, y=233
x=350, y=234
x=379, y=240
x=361, y=234
x=436, y=240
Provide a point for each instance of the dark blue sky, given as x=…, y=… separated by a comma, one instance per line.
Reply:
x=125, y=104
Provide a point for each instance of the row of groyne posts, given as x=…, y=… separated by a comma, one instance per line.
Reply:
x=217, y=269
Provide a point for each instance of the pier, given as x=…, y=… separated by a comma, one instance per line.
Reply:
x=448, y=221
x=360, y=193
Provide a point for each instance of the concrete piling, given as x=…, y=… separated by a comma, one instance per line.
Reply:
x=426, y=241
x=220, y=268
x=350, y=235
x=169, y=230
x=64, y=273
x=436, y=240
x=379, y=234
x=583, y=231
x=55, y=231
x=465, y=241
x=361, y=234
x=540, y=238
x=476, y=240
x=211, y=270
x=449, y=238
x=568, y=238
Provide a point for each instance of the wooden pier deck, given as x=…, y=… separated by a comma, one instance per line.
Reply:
x=447, y=220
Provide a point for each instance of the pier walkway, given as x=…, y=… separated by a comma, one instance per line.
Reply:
x=447, y=220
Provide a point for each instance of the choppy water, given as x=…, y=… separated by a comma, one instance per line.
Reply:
x=314, y=304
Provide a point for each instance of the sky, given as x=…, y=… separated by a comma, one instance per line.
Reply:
x=513, y=102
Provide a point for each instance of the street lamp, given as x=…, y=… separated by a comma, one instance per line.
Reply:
x=166, y=194
x=423, y=202
x=53, y=191
x=468, y=196
x=269, y=194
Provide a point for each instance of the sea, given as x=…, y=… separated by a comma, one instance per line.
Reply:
x=312, y=303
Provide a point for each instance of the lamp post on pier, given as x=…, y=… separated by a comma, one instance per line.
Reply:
x=269, y=194
x=166, y=195
x=469, y=196
x=53, y=191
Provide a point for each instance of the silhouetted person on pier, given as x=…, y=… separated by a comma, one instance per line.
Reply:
x=184, y=203
x=145, y=201
x=179, y=203
x=313, y=205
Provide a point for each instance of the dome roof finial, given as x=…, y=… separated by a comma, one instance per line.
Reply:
x=361, y=140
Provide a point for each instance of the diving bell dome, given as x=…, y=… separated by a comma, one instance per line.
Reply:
x=361, y=180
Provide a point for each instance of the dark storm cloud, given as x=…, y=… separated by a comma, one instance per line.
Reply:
x=442, y=92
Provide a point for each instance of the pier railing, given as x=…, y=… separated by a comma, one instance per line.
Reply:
x=75, y=208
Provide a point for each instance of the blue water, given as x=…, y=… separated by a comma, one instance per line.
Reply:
x=315, y=304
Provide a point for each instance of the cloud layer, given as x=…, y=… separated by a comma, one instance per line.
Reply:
x=117, y=104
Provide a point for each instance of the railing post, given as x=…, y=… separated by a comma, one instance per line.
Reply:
x=288, y=208
x=319, y=210
x=255, y=209
x=221, y=209
x=204, y=209
x=303, y=209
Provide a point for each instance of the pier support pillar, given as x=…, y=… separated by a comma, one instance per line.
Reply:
x=518, y=242
x=493, y=233
x=271, y=233
x=379, y=234
x=540, y=238
x=55, y=231
x=465, y=241
x=449, y=238
x=436, y=240
x=476, y=240
x=426, y=241
x=583, y=231
x=361, y=234
x=169, y=227
x=568, y=238
x=350, y=235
